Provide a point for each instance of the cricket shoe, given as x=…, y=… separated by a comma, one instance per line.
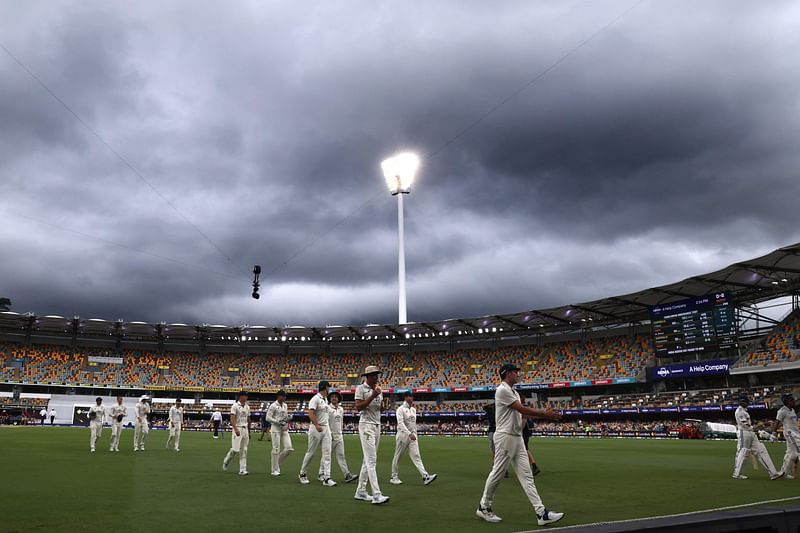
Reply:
x=224, y=466
x=320, y=478
x=395, y=481
x=303, y=479
x=430, y=478
x=329, y=483
x=177, y=449
x=548, y=517
x=379, y=498
x=788, y=476
x=244, y=473
x=92, y=450
x=275, y=473
x=487, y=514
x=135, y=449
x=363, y=496
x=350, y=477
x=739, y=476
x=777, y=475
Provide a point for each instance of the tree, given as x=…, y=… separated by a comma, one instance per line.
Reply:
x=5, y=303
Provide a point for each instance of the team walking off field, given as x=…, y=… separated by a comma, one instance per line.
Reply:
x=509, y=429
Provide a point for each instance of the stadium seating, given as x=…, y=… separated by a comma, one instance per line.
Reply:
x=782, y=345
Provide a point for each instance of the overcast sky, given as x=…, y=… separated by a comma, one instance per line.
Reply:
x=663, y=147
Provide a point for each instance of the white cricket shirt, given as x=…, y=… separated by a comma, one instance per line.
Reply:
x=336, y=418
x=319, y=404
x=176, y=415
x=743, y=419
x=241, y=414
x=507, y=419
x=117, y=410
x=142, y=410
x=406, y=419
x=278, y=414
x=788, y=417
x=372, y=413
x=100, y=411
x=216, y=415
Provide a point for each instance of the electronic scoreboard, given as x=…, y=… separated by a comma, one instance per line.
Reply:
x=705, y=324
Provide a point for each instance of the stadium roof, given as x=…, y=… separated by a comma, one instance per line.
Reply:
x=763, y=278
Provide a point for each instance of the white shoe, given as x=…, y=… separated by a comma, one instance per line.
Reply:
x=92, y=450
x=548, y=517
x=224, y=466
x=430, y=478
x=739, y=476
x=788, y=476
x=303, y=479
x=363, y=496
x=379, y=498
x=777, y=475
x=216, y=437
x=488, y=515
x=350, y=477
x=244, y=473
x=177, y=449
x=275, y=473
x=320, y=478
x=395, y=481
x=135, y=449
x=329, y=483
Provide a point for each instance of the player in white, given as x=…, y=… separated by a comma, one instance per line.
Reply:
x=369, y=398
x=216, y=421
x=749, y=443
x=788, y=417
x=240, y=438
x=510, y=448
x=175, y=424
x=278, y=416
x=336, y=422
x=319, y=435
x=406, y=439
x=52, y=416
x=97, y=414
x=141, y=426
x=43, y=415
x=117, y=413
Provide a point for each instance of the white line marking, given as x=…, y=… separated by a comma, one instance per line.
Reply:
x=714, y=510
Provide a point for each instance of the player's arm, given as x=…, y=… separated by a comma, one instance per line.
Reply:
x=363, y=403
x=233, y=425
x=312, y=416
x=529, y=412
x=401, y=420
x=271, y=410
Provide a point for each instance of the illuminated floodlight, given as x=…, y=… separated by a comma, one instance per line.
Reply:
x=399, y=172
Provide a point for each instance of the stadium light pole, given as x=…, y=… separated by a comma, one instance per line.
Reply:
x=399, y=172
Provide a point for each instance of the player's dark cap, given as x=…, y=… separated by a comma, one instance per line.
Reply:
x=323, y=385
x=408, y=394
x=787, y=399
x=744, y=400
x=281, y=393
x=242, y=393
x=508, y=367
x=178, y=400
x=334, y=394
x=98, y=399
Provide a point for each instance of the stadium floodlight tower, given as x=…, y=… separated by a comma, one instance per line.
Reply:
x=399, y=172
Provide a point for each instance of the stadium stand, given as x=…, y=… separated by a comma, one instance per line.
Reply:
x=782, y=345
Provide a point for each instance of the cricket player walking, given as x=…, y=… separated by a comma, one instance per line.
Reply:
x=319, y=434
x=749, y=443
x=118, y=412
x=510, y=449
x=406, y=439
x=216, y=420
x=336, y=422
x=368, y=402
x=240, y=438
x=141, y=426
x=788, y=417
x=97, y=414
x=175, y=424
x=278, y=416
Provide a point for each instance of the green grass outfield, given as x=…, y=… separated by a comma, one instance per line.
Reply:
x=50, y=482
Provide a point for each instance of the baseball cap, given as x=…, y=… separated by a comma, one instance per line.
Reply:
x=508, y=367
x=371, y=369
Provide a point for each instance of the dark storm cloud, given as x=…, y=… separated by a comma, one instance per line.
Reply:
x=662, y=148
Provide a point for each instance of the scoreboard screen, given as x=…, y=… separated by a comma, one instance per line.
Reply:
x=705, y=324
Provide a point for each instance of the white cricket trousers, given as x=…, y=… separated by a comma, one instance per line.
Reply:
x=315, y=439
x=239, y=445
x=116, y=433
x=792, y=450
x=175, y=433
x=281, y=447
x=337, y=450
x=96, y=428
x=402, y=443
x=370, y=435
x=140, y=434
x=510, y=450
x=748, y=442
